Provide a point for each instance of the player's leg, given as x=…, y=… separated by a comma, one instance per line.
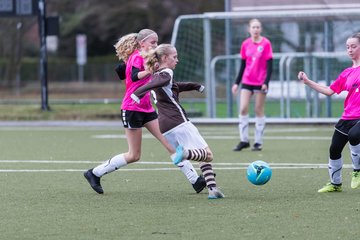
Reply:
x=338, y=143
x=245, y=96
x=208, y=172
x=196, y=154
x=191, y=144
x=134, y=142
x=134, y=139
x=259, y=120
x=185, y=166
x=354, y=145
x=154, y=129
x=132, y=122
x=197, y=149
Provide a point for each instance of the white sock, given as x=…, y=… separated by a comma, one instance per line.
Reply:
x=244, y=128
x=110, y=165
x=189, y=171
x=355, y=156
x=259, y=129
x=335, y=167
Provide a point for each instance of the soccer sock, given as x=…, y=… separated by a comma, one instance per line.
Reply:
x=206, y=169
x=244, y=128
x=355, y=156
x=259, y=129
x=198, y=155
x=110, y=165
x=335, y=167
x=189, y=171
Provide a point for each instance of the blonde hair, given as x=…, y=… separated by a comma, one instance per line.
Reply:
x=144, y=34
x=126, y=46
x=153, y=57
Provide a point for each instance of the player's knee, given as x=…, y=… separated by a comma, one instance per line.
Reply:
x=133, y=157
x=354, y=136
x=335, y=152
x=209, y=156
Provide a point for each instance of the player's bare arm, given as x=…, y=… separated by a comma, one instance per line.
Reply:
x=314, y=85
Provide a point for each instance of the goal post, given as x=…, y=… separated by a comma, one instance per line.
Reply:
x=202, y=37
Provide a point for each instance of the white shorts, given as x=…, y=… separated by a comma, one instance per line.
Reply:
x=187, y=135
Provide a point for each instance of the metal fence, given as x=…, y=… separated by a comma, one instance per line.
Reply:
x=285, y=86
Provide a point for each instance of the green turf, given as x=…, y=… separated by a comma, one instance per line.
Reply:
x=160, y=204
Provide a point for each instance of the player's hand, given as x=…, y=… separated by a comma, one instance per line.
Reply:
x=234, y=89
x=264, y=88
x=302, y=76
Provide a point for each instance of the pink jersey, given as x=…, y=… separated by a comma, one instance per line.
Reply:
x=136, y=60
x=256, y=55
x=349, y=80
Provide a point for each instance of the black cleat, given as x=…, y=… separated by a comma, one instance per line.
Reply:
x=200, y=184
x=241, y=146
x=94, y=181
x=256, y=147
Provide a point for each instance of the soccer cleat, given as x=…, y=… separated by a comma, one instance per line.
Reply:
x=355, y=180
x=200, y=184
x=94, y=181
x=330, y=188
x=215, y=193
x=256, y=147
x=241, y=146
x=178, y=155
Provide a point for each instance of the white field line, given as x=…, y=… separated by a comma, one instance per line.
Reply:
x=217, y=166
x=147, y=136
x=268, y=130
x=151, y=163
x=203, y=130
x=150, y=169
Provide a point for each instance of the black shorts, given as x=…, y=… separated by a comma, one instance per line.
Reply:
x=134, y=119
x=252, y=88
x=344, y=126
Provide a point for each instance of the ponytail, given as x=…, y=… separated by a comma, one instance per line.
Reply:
x=153, y=57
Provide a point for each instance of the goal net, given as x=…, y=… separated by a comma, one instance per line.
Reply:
x=208, y=46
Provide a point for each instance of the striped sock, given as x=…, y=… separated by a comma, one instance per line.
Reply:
x=206, y=169
x=198, y=155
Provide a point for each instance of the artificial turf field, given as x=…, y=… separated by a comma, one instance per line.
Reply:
x=45, y=196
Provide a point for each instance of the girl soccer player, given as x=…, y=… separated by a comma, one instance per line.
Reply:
x=136, y=116
x=254, y=75
x=348, y=127
x=174, y=124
